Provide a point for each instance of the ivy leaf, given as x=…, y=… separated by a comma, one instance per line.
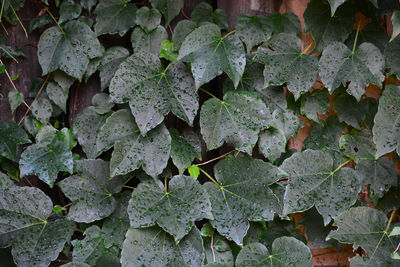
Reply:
x=372, y=33
x=287, y=251
x=184, y=148
x=253, y=30
x=170, y=8
x=70, y=51
x=9, y=10
x=392, y=49
x=114, y=16
x=131, y=149
x=181, y=30
x=69, y=10
x=42, y=109
x=102, y=103
x=35, y=240
x=153, y=247
x=349, y=110
x=217, y=251
x=334, y=5
x=338, y=65
x=325, y=28
x=286, y=121
x=210, y=54
x=243, y=194
x=284, y=22
x=366, y=227
x=175, y=209
x=272, y=144
x=167, y=51
x=396, y=24
x=285, y=62
x=58, y=95
x=153, y=91
x=92, y=247
x=46, y=160
x=148, y=41
x=386, y=128
x=8, y=51
x=11, y=136
x=88, y=4
x=236, y=120
x=203, y=13
x=314, y=180
x=15, y=99
x=112, y=58
x=86, y=127
x=147, y=18
x=91, y=191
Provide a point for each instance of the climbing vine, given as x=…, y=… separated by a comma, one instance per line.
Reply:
x=300, y=122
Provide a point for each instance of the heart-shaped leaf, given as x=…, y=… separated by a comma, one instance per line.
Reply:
x=184, y=148
x=170, y=8
x=203, y=13
x=112, y=58
x=11, y=136
x=253, y=30
x=148, y=41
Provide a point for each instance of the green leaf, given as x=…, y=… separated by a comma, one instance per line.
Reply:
x=194, y=171
x=253, y=30
x=47, y=160
x=35, y=240
x=210, y=54
x=327, y=29
x=386, y=128
x=184, y=149
x=251, y=81
x=334, y=5
x=243, y=195
x=75, y=264
x=314, y=180
x=366, y=227
x=315, y=103
x=91, y=191
x=372, y=33
x=395, y=231
x=236, y=120
x=147, y=18
x=349, y=110
x=284, y=22
x=94, y=65
x=181, y=30
x=92, y=247
x=10, y=8
x=167, y=51
x=170, y=8
x=285, y=63
x=102, y=103
x=286, y=251
x=153, y=247
x=69, y=10
x=67, y=137
x=42, y=109
x=114, y=16
x=8, y=51
x=148, y=41
x=217, y=251
x=62, y=51
x=86, y=127
x=131, y=149
x=153, y=91
x=392, y=61
x=15, y=99
x=203, y=13
x=112, y=58
x=396, y=24
x=272, y=144
x=339, y=65
x=39, y=22
x=175, y=208
x=286, y=121
x=58, y=95
x=88, y=4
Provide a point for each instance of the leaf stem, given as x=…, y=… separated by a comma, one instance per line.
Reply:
x=207, y=92
x=342, y=165
x=209, y=177
x=229, y=33
x=19, y=21
x=214, y=159
x=1, y=11
x=54, y=19
x=355, y=40
x=129, y=187
x=390, y=221
x=165, y=185
x=307, y=48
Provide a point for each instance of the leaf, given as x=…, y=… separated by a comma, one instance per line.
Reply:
x=251, y=81
x=334, y=5
x=366, y=227
x=114, y=16
x=148, y=42
x=153, y=247
x=152, y=91
x=167, y=51
x=236, y=120
x=253, y=30
x=338, y=65
x=392, y=49
x=11, y=136
x=94, y=65
x=327, y=29
x=69, y=10
x=9, y=10
x=174, y=209
x=372, y=33
x=92, y=247
x=203, y=13
x=194, y=171
x=86, y=127
x=42, y=109
x=47, y=160
x=91, y=191
x=170, y=8
x=147, y=18
x=102, y=103
x=63, y=51
x=58, y=95
x=386, y=128
x=217, y=251
x=243, y=194
x=112, y=58
x=210, y=54
x=284, y=22
x=286, y=251
x=39, y=22
x=314, y=104
x=350, y=111
x=314, y=180
x=272, y=144
x=181, y=30
x=131, y=149
x=184, y=148
x=8, y=51
x=286, y=121
x=88, y=4
x=396, y=24
x=35, y=240
x=286, y=63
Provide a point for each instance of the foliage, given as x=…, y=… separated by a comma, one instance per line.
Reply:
x=123, y=182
